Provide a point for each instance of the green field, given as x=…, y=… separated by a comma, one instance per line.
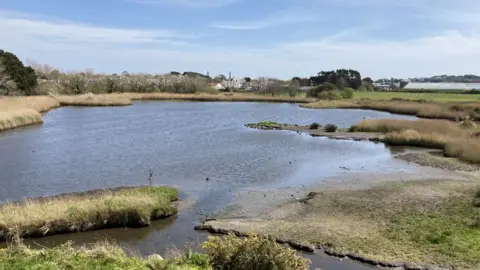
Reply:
x=436, y=97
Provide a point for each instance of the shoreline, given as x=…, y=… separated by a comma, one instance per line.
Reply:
x=23, y=111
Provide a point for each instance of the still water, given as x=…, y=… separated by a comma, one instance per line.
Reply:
x=182, y=143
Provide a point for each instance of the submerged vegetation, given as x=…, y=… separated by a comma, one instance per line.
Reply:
x=132, y=207
x=227, y=253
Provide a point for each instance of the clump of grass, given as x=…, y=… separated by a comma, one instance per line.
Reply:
x=423, y=126
x=315, y=125
x=253, y=252
x=464, y=149
x=414, y=138
x=133, y=207
x=330, y=128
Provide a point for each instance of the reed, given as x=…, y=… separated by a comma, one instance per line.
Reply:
x=129, y=207
x=455, y=139
x=93, y=100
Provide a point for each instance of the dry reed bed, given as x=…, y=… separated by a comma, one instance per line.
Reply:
x=130, y=207
x=421, y=109
x=213, y=97
x=454, y=139
x=22, y=111
x=94, y=100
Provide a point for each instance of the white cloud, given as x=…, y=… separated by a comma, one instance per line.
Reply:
x=277, y=19
x=70, y=46
x=187, y=3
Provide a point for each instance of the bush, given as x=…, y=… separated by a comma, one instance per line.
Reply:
x=253, y=252
x=352, y=128
x=326, y=87
x=24, y=77
x=330, y=128
x=314, y=125
x=347, y=93
x=330, y=95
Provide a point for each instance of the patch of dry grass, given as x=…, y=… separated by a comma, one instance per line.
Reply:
x=88, y=211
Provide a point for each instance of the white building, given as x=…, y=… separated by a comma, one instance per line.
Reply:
x=443, y=86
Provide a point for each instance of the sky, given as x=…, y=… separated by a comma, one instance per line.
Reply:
x=274, y=38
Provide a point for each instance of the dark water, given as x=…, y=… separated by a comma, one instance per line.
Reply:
x=183, y=143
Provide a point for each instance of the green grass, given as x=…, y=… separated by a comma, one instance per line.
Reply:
x=435, y=97
x=97, y=257
x=447, y=233
x=228, y=252
x=121, y=207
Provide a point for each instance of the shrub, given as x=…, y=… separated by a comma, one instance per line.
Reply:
x=330, y=128
x=352, y=128
x=314, y=125
x=253, y=252
x=330, y=95
x=347, y=93
x=24, y=77
x=326, y=87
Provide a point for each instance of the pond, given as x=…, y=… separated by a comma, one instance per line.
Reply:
x=183, y=144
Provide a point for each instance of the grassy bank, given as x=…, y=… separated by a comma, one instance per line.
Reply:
x=227, y=253
x=435, y=97
x=402, y=224
x=22, y=111
x=446, y=111
x=93, y=100
x=456, y=140
x=133, y=207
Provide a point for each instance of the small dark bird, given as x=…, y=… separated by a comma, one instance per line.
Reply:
x=208, y=179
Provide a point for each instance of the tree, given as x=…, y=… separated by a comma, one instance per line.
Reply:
x=326, y=87
x=7, y=85
x=248, y=79
x=293, y=88
x=24, y=77
x=368, y=80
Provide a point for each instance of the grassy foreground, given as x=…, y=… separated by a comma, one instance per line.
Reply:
x=133, y=207
x=417, y=223
x=227, y=253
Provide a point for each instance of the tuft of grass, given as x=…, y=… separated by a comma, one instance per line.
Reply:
x=134, y=207
x=253, y=252
x=330, y=128
x=315, y=125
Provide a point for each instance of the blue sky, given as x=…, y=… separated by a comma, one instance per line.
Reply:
x=275, y=38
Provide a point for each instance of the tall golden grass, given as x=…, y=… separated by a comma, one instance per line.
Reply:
x=94, y=100
x=454, y=112
x=456, y=140
x=21, y=111
x=213, y=97
x=135, y=206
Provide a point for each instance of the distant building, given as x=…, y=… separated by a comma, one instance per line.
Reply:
x=442, y=86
